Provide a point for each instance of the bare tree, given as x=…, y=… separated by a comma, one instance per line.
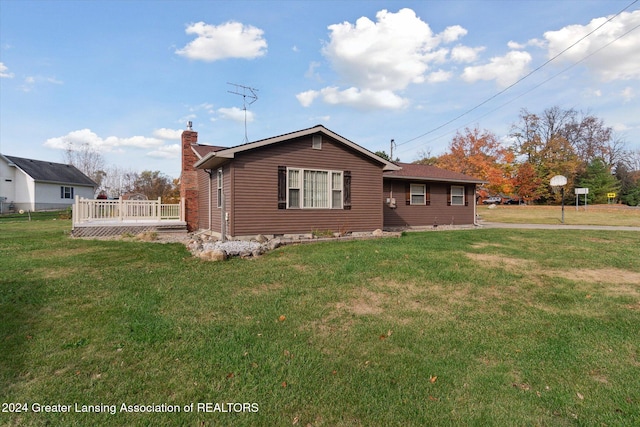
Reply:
x=118, y=181
x=87, y=159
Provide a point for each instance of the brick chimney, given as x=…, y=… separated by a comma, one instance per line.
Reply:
x=189, y=179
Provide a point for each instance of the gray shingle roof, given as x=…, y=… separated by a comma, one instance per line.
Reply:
x=43, y=171
x=429, y=173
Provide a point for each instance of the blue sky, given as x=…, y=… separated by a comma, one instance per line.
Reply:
x=125, y=76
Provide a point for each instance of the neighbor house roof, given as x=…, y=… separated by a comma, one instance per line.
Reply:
x=429, y=173
x=215, y=158
x=43, y=171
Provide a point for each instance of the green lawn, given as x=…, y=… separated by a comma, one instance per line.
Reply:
x=474, y=327
x=592, y=215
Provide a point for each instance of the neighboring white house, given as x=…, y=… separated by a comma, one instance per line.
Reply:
x=33, y=185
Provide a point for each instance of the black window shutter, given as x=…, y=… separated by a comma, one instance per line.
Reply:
x=62, y=192
x=347, y=190
x=407, y=192
x=282, y=187
x=466, y=198
x=448, y=195
x=428, y=196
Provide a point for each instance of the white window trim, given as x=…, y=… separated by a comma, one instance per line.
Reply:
x=316, y=142
x=457, y=195
x=330, y=189
x=423, y=194
x=219, y=186
x=66, y=190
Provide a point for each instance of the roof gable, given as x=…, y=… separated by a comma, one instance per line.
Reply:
x=202, y=150
x=429, y=173
x=43, y=171
x=216, y=158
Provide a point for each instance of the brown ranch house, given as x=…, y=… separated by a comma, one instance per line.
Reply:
x=314, y=179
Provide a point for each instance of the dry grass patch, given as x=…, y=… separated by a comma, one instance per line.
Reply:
x=602, y=275
x=499, y=261
x=366, y=302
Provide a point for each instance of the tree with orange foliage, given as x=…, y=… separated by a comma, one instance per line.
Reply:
x=479, y=154
x=528, y=186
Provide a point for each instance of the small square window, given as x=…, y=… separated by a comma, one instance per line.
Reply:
x=316, y=142
x=66, y=192
x=418, y=194
x=457, y=195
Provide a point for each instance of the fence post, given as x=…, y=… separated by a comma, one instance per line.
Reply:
x=120, y=209
x=74, y=209
x=159, y=208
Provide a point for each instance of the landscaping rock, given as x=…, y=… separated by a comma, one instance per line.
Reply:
x=213, y=255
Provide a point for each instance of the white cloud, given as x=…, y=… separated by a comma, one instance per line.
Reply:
x=228, y=40
x=620, y=127
x=236, y=114
x=306, y=98
x=531, y=43
x=505, y=70
x=453, y=33
x=4, y=74
x=166, y=152
x=30, y=82
x=311, y=71
x=628, y=94
x=618, y=61
x=164, y=133
x=439, y=76
x=362, y=98
x=590, y=92
x=515, y=45
x=377, y=59
x=465, y=53
x=109, y=144
x=388, y=54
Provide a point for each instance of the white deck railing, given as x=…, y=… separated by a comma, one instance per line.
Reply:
x=90, y=210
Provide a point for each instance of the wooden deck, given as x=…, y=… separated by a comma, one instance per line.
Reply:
x=98, y=217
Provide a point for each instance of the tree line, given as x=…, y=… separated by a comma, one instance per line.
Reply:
x=114, y=181
x=558, y=141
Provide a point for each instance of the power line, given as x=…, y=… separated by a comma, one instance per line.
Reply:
x=541, y=83
x=519, y=80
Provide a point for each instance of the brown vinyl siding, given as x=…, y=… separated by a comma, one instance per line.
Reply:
x=209, y=213
x=203, y=199
x=438, y=212
x=254, y=201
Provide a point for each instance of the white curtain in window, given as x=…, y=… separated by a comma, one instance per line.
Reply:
x=316, y=190
x=294, y=188
x=336, y=190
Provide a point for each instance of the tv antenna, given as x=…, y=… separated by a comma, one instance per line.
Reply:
x=249, y=96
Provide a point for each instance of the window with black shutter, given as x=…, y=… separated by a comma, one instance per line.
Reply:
x=282, y=187
x=347, y=190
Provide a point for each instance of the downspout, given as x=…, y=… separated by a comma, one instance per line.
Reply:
x=223, y=216
x=210, y=172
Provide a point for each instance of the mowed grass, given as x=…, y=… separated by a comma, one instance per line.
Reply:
x=618, y=215
x=474, y=327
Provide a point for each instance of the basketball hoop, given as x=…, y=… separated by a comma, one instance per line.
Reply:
x=557, y=184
